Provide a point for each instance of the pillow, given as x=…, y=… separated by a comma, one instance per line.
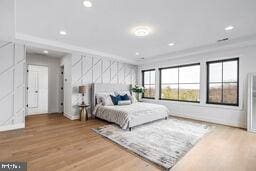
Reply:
x=104, y=98
x=124, y=102
x=115, y=99
x=125, y=97
x=107, y=101
x=122, y=93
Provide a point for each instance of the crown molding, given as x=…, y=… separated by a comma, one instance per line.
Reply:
x=69, y=48
x=234, y=43
x=64, y=47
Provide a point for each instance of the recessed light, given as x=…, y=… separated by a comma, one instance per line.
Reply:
x=137, y=53
x=141, y=31
x=171, y=44
x=87, y=4
x=229, y=28
x=63, y=32
x=46, y=51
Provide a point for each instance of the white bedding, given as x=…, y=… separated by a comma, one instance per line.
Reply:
x=127, y=116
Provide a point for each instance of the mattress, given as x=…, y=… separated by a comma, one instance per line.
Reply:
x=128, y=116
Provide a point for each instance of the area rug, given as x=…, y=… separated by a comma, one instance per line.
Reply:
x=162, y=142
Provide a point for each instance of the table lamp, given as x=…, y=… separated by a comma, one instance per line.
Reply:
x=82, y=90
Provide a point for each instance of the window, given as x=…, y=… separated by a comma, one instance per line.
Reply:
x=181, y=83
x=148, y=81
x=222, y=82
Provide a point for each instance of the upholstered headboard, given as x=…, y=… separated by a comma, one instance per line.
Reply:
x=101, y=88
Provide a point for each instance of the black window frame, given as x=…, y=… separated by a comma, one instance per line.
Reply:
x=177, y=66
x=222, y=82
x=143, y=72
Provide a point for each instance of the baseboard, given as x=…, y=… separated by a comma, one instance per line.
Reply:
x=38, y=114
x=12, y=127
x=71, y=117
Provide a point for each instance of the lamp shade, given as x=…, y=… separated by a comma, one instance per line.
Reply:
x=82, y=89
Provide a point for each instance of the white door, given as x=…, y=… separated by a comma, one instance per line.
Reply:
x=37, y=89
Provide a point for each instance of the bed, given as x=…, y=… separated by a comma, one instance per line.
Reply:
x=126, y=116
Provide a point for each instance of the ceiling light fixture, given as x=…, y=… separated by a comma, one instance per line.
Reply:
x=137, y=53
x=142, y=31
x=87, y=4
x=171, y=44
x=229, y=28
x=46, y=51
x=62, y=32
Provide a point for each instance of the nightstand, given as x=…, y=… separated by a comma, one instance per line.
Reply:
x=83, y=112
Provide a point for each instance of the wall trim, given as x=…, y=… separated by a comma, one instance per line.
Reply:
x=13, y=55
x=71, y=117
x=3, y=43
x=12, y=127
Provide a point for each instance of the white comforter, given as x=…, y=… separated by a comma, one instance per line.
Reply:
x=132, y=115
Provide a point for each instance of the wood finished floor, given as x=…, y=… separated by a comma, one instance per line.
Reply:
x=52, y=142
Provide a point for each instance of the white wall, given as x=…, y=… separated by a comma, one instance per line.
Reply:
x=12, y=86
x=7, y=18
x=53, y=65
x=234, y=116
x=89, y=69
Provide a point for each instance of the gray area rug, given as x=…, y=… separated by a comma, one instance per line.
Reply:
x=162, y=142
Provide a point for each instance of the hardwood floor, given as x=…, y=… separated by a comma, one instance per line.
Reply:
x=52, y=142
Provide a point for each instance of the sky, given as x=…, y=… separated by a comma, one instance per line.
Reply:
x=191, y=74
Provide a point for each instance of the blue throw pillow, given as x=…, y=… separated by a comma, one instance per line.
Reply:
x=125, y=97
x=115, y=99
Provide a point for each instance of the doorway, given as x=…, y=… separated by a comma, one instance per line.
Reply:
x=37, y=89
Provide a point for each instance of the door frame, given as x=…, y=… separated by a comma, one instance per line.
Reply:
x=61, y=88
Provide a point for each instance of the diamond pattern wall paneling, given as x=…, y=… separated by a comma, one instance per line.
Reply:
x=90, y=69
x=12, y=86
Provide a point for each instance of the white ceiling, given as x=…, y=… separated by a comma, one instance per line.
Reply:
x=106, y=26
x=40, y=51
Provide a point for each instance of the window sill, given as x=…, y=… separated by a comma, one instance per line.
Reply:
x=186, y=101
x=201, y=104
x=152, y=98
